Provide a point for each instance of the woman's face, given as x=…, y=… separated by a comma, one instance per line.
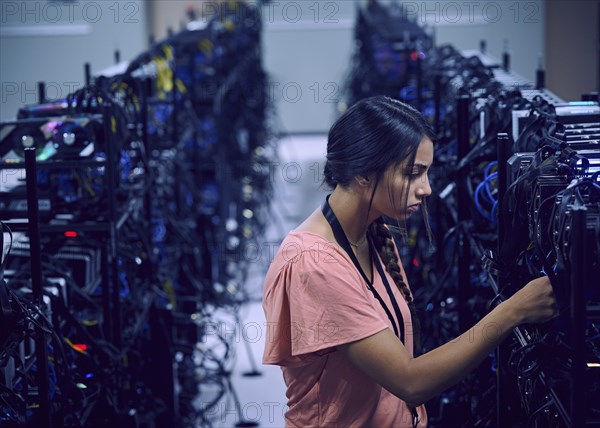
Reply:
x=390, y=195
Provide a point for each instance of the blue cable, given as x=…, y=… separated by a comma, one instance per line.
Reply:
x=488, y=196
x=477, y=202
x=488, y=180
x=489, y=166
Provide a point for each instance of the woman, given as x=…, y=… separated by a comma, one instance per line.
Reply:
x=341, y=318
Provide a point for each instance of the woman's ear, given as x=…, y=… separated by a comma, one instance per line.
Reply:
x=363, y=181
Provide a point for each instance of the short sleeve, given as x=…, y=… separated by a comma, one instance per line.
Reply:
x=314, y=302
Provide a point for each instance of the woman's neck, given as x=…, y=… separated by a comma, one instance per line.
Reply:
x=351, y=208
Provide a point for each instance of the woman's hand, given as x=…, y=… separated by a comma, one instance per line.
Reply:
x=534, y=303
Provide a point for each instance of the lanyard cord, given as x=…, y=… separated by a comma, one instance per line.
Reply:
x=340, y=236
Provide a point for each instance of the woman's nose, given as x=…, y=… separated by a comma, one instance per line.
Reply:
x=424, y=188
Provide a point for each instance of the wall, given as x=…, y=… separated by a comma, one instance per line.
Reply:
x=42, y=40
x=572, y=47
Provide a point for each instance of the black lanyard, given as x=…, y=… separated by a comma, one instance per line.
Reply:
x=340, y=236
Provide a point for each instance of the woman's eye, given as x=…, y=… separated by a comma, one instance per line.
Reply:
x=415, y=173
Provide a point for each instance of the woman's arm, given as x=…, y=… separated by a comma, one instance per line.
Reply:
x=416, y=380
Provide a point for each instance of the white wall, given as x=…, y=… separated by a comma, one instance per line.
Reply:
x=42, y=40
x=308, y=47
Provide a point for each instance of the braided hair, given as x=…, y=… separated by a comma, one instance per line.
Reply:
x=384, y=243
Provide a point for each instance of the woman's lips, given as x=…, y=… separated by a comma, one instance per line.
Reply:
x=413, y=208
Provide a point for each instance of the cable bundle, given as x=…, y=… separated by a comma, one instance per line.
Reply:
x=157, y=181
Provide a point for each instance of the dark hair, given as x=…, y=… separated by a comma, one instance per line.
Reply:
x=372, y=136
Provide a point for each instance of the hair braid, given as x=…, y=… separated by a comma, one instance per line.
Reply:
x=384, y=243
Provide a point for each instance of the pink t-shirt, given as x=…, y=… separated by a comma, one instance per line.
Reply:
x=314, y=300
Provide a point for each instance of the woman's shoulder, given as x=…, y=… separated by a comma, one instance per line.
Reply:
x=316, y=224
x=304, y=247
x=311, y=245
x=314, y=232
